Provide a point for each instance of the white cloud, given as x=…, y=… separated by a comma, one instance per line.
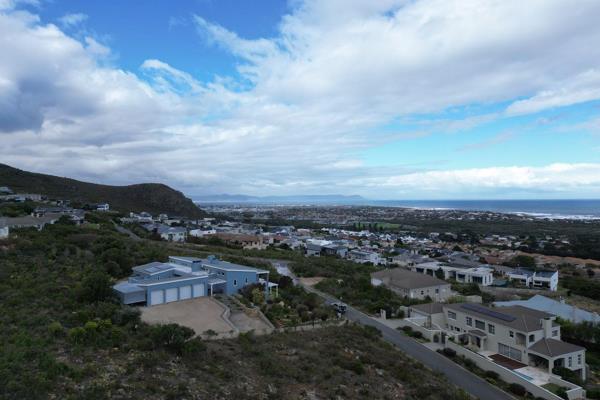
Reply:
x=581, y=88
x=71, y=20
x=309, y=101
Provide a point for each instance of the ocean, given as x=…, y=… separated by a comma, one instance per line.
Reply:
x=571, y=209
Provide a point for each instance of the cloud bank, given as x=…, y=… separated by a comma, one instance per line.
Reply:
x=305, y=103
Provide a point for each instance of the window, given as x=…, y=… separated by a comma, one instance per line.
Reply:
x=437, y=291
x=491, y=329
x=235, y=282
x=532, y=338
x=555, y=333
x=579, y=359
x=451, y=315
x=480, y=325
x=511, y=334
x=570, y=361
x=469, y=321
x=422, y=292
x=246, y=280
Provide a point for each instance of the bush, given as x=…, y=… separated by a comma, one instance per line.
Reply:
x=449, y=352
x=517, y=389
x=407, y=329
x=171, y=336
x=55, y=328
x=593, y=393
x=567, y=375
x=492, y=374
x=95, y=287
x=417, y=335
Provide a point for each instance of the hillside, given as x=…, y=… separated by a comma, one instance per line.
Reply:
x=151, y=197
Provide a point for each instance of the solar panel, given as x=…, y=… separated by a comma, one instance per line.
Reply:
x=490, y=313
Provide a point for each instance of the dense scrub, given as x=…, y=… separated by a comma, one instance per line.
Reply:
x=62, y=335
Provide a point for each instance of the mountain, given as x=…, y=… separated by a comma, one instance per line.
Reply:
x=300, y=199
x=151, y=197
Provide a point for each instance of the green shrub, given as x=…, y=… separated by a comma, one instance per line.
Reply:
x=449, y=352
x=77, y=335
x=407, y=329
x=55, y=328
x=417, y=335
x=491, y=374
x=517, y=389
x=171, y=336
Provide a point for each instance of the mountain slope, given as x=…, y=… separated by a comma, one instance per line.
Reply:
x=151, y=197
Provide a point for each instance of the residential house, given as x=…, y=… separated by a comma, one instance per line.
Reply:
x=535, y=279
x=183, y=278
x=517, y=333
x=481, y=274
x=102, y=207
x=202, y=232
x=365, y=256
x=5, y=190
x=244, y=240
x=169, y=233
x=412, y=284
x=31, y=222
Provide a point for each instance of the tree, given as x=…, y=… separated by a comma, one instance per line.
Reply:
x=258, y=297
x=524, y=261
x=96, y=287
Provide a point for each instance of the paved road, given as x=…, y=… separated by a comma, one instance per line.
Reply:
x=127, y=232
x=455, y=374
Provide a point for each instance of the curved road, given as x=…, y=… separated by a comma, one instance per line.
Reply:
x=456, y=374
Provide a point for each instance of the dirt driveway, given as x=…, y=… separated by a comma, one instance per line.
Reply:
x=200, y=314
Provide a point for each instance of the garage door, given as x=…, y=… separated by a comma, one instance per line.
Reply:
x=185, y=292
x=157, y=297
x=171, y=295
x=198, y=290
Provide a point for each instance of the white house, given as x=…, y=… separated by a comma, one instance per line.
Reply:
x=481, y=275
x=102, y=207
x=535, y=279
x=514, y=334
x=202, y=232
x=363, y=257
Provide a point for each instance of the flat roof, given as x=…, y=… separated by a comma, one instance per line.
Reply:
x=227, y=266
x=126, y=287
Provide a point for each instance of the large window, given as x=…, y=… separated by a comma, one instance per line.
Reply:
x=509, y=352
x=511, y=334
x=480, y=325
x=469, y=321
x=491, y=329
x=451, y=315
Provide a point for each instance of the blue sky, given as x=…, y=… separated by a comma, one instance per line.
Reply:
x=389, y=100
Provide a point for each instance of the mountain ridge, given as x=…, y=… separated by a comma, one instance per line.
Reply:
x=304, y=199
x=151, y=197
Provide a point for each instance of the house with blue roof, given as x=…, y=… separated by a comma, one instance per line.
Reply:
x=183, y=278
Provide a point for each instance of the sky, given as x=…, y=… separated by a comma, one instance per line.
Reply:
x=392, y=99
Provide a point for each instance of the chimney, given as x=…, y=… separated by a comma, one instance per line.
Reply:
x=547, y=326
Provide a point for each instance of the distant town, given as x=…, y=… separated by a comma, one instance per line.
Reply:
x=520, y=310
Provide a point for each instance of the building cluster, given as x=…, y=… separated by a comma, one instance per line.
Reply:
x=47, y=211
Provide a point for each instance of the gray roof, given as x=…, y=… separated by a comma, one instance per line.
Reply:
x=126, y=287
x=153, y=267
x=563, y=310
x=554, y=348
x=227, y=266
x=191, y=259
x=429, y=308
x=403, y=278
x=517, y=317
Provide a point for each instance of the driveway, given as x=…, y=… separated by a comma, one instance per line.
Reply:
x=462, y=378
x=200, y=314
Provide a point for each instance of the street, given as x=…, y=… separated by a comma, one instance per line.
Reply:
x=462, y=378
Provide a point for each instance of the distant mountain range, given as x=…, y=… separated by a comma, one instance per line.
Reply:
x=300, y=199
x=151, y=197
